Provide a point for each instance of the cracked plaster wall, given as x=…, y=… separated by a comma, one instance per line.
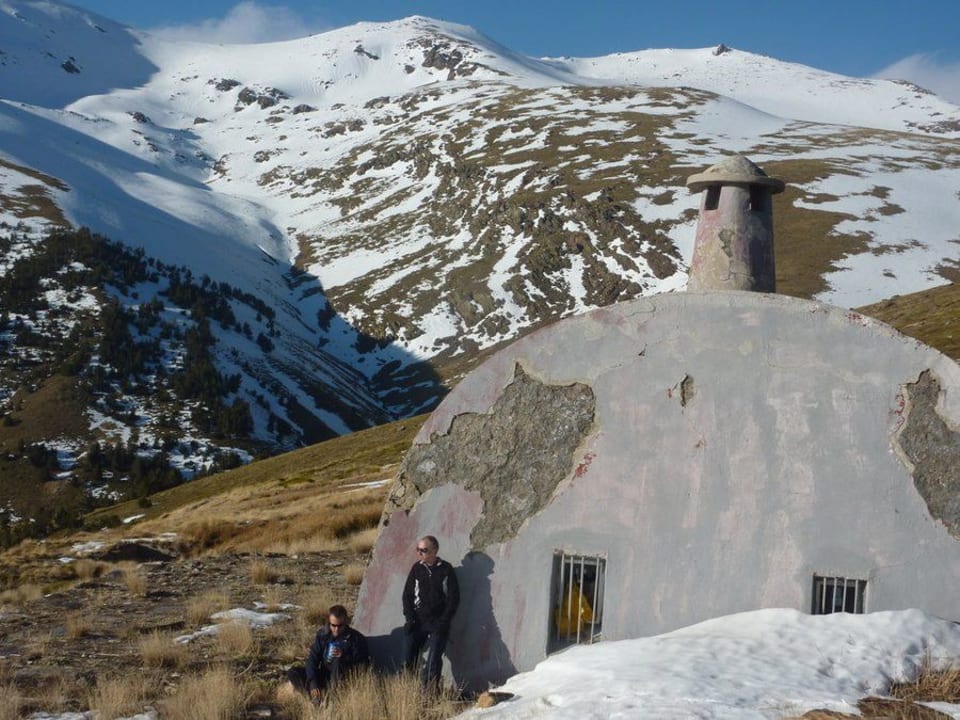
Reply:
x=740, y=443
x=514, y=456
x=932, y=448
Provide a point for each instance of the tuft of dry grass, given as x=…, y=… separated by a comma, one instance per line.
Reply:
x=159, y=650
x=261, y=573
x=11, y=702
x=205, y=535
x=217, y=694
x=235, y=639
x=366, y=695
x=273, y=599
x=21, y=595
x=77, y=625
x=290, y=645
x=200, y=608
x=395, y=697
x=932, y=684
x=38, y=646
x=353, y=573
x=118, y=697
x=363, y=541
x=316, y=603
x=135, y=581
x=86, y=569
x=55, y=696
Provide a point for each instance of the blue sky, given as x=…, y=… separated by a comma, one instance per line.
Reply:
x=917, y=40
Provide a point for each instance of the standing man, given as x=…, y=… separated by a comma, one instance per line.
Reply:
x=336, y=650
x=430, y=598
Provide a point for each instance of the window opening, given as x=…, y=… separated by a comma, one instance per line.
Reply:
x=576, y=608
x=712, y=201
x=838, y=594
x=758, y=198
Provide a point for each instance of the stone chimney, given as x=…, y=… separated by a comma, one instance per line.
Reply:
x=734, y=245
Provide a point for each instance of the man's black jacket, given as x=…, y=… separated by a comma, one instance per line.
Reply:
x=353, y=645
x=431, y=594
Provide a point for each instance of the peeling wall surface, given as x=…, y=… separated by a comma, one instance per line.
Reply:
x=718, y=449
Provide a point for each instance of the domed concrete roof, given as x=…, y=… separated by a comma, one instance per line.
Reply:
x=734, y=170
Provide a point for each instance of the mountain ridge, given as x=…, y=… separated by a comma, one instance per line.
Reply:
x=407, y=195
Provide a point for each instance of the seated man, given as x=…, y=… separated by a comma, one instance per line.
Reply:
x=336, y=650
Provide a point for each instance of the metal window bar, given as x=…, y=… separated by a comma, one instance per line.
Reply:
x=579, y=601
x=838, y=594
x=572, y=573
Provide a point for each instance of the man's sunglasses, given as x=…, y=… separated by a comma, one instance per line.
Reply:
x=423, y=551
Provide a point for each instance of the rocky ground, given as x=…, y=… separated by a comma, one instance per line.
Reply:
x=55, y=648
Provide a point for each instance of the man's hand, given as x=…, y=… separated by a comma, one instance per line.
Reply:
x=409, y=626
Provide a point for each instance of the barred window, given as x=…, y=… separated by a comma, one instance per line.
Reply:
x=838, y=594
x=576, y=609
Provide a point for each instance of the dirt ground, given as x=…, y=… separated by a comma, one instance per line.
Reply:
x=56, y=647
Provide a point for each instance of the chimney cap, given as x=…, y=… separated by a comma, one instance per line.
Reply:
x=734, y=170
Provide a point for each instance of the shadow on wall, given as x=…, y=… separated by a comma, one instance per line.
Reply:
x=477, y=654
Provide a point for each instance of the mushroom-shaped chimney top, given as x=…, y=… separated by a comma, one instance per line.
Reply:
x=734, y=170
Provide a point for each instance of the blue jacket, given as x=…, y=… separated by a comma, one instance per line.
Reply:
x=353, y=645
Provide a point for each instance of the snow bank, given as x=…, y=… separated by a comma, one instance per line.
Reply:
x=763, y=664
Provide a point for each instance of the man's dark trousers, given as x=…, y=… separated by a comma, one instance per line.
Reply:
x=436, y=641
x=328, y=674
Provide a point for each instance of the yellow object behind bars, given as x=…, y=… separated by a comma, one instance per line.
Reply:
x=574, y=605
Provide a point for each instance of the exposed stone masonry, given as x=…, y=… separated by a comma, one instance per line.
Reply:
x=514, y=456
x=933, y=448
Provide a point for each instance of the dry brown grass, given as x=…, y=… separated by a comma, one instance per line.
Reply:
x=118, y=697
x=21, y=595
x=11, y=701
x=135, y=581
x=39, y=645
x=932, y=684
x=236, y=640
x=216, y=694
x=316, y=603
x=290, y=643
x=274, y=598
x=321, y=469
x=159, y=650
x=274, y=518
x=205, y=535
x=262, y=573
x=930, y=316
x=353, y=573
x=77, y=625
x=363, y=541
x=367, y=695
x=86, y=569
x=199, y=609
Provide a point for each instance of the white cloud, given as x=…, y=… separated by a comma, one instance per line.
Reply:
x=246, y=22
x=928, y=71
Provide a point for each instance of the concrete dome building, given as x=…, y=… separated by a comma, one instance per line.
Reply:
x=653, y=464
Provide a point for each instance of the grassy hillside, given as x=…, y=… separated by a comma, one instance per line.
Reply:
x=364, y=457
x=931, y=316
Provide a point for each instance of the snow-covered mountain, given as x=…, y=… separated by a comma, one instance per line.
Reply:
x=405, y=194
